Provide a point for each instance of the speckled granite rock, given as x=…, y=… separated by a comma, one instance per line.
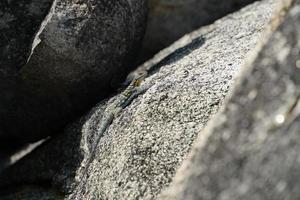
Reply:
x=251, y=149
x=138, y=154
x=82, y=52
x=170, y=19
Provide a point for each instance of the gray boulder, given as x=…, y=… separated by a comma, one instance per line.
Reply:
x=170, y=19
x=250, y=150
x=137, y=155
x=81, y=53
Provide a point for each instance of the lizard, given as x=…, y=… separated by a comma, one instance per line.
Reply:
x=135, y=86
x=133, y=89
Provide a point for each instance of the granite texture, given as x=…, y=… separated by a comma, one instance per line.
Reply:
x=81, y=53
x=250, y=150
x=139, y=152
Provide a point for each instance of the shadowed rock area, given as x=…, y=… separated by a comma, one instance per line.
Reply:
x=170, y=19
x=138, y=153
x=82, y=52
x=20, y=21
x=251, y=149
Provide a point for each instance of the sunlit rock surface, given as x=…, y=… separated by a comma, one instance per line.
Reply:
x=139, y=152
x=251, y=149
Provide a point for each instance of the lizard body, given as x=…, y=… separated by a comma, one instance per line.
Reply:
x=125, y=98
x=134, y=89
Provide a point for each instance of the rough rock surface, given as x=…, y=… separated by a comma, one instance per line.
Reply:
x=251, y=149
x=170, y=19
x=138, y=154
x=81, y=53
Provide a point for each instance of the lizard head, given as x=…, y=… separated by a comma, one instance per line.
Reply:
x=137, y=82
x=139, y=79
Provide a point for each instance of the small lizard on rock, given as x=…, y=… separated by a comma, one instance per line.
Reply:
x=134, y=89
